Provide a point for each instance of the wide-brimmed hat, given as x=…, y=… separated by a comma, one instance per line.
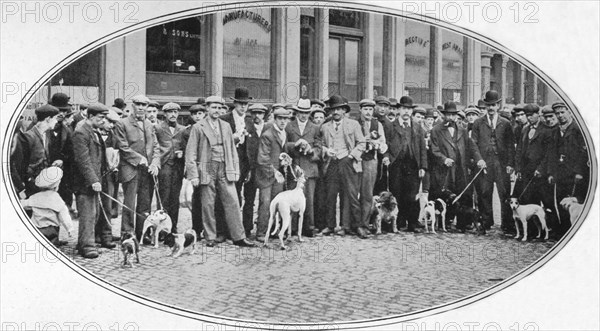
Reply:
x=171, y=106
x=257, y=108
x=382, y=99
x=241, y=94
x=531, y=108
x=61, y=101
x=491, y=97
x=48, y=177
x=303, y=106
x=366, y=103
x=406, y=102
x=450, y=108
x=337, y=101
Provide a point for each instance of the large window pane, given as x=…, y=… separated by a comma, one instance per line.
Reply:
x=334, y=60
x=452, y=66
x=83, y=72
x=346, y=18
x=174, y=47
x=378, y=54
x=417, y=46
x=351, y=62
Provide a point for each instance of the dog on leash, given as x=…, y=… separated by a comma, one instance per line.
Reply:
x=431, y=212
x=573, y=206
x=129, y=246
x=178, y=242
x=282, y=207
x=159, y=221
x=385, y=209
x=524, y=213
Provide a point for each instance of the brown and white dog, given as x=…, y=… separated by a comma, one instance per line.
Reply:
x=385, y=209
x=283, y=205
x=159, y=221
x=129, y=246
x=523, y=213
x=178, y=242
x=574, y=208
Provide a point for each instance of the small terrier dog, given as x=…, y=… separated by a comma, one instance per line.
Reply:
x=283, y=205
x=129, y=246
x=430, y=213
x=178, y=242
x=385, y=208
x=160, y=221
x=523, y=213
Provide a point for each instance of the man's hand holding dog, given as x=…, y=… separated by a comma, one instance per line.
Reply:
x=153, y=170
x=448, y=162
x=97, y=187
x=279, y=177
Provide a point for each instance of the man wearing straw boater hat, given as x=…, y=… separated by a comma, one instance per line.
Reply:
x=306, y=155
x=494, y=137
x=90, y=166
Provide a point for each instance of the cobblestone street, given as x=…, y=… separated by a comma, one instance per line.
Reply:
x=323, y=279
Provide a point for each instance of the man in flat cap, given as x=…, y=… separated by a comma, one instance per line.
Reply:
x=407, y=161
x=30, y=154
x=140, y=162
x=90, y=166
x=212, y=164
x=169, y=134
x=376, y=146
x=382, y=108
x=495, y=139
x=306, y=154
x=343, y=146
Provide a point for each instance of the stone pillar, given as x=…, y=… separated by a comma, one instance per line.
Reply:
x=534, y=89
x=291, y=88
x=215, y=77
x=472, y=72
x=503, y=83
x=114, y=83
x=486, y=67
x=522, y=80
x=399, y=58
x=435, y=61
x=322, y=46
x=369, y=54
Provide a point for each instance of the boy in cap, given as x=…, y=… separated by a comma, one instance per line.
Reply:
x=31, y=151
x=48, y=209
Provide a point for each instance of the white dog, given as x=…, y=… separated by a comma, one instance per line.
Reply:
x=284, y=204
x=574, y=208
x=524, y=213
x=161, y=221
x=431, y=211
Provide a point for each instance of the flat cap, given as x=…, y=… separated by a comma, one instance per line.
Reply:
x=140, y=98
x=559, y=104
x=282, y=112
x=382, y=99
x=366, y=103
x=531, y=108
x=197, y=107
x=278, y=105
x=258, y=108
x=48, y=177
x=317, y=102
x=419, y=110
x=171, y=106
x=471, y=110
x=112, y=115
x=97, y=108
x=46, y=111
x=546, y=110
x=215, y=99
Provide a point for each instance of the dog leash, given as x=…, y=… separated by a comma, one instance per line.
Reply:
x=556, y=205
x=526, y=187
x=573, y=190
x=122, y=204
x=156, y=190
x=102, y=208
x=387, y=177
x=466, y=187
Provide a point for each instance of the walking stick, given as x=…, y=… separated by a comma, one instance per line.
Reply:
x=122, y=204
x=466, y=187
x=574, y=187
x=156, y=190
x=387, y=177
x=556, y=206
x=526, y=187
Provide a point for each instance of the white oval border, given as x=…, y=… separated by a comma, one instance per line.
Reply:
x=232, y=322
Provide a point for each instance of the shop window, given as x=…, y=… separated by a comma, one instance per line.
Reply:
x=452, y=66
x=247, y=52
x=417, y=47
x=344, y=52
x=345, y=18
x=84, y=71
x=378, y=54
x=308, y=79
x=173, y=59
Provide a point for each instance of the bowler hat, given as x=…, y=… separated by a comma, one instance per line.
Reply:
x=215, y=99
x=257, y=108
x=241, y=94
x=382, y=99
x=531, y=108
x=97, y=108
x=406, y=102
x=491, y=97
x=119, y=103
x=48, y=177
x=366, y=103
x=559, y=104
x=45, y=111
x=419, y=110
x=171, y=106
x=303, y=106
x=282, y=112
x=337, y=101
x=450, y=108
x=480, y=104
x=317, y=102
x=61, y=101
x=429, y=113
x=201, y=101
x=196, y=108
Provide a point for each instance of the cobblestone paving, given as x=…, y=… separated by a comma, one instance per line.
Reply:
x=323, y=279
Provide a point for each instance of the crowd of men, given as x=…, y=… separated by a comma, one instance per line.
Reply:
x=228, y=153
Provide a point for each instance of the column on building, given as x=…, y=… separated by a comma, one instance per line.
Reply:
x=125, y=67
x=534, y=89
x=521, y=82
x=322, y=46
x=369, y=55
x=486, y=68
x=394, y=56
x=503, y=81
x=215, y=55
x=285, y=61
x=435, y=71
x=472, y=72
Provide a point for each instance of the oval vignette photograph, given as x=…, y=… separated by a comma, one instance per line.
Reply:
x=293, y=165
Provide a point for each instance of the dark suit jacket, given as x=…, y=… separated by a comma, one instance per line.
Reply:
x=90, y=162
x=417, y=147
x=536, y=153
x=571, y=147
x=505, y=140
x=268, y=156
x=252, y=144
x=169, y=143
x=241, y=148
x=443, y=146
x=133, y=143
x=28, y=159
x=308, y=163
